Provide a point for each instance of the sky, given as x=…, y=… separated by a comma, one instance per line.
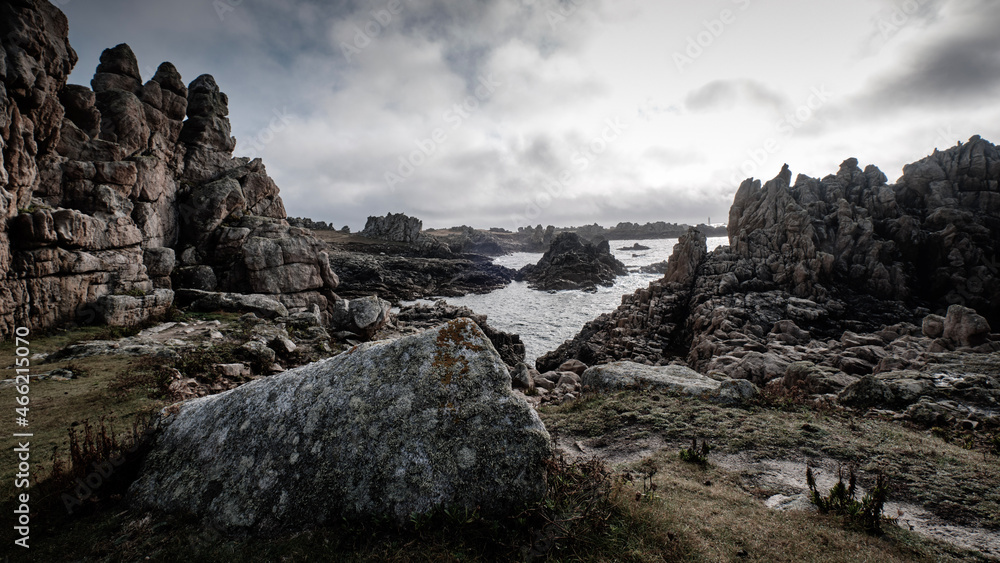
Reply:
x=505, y=113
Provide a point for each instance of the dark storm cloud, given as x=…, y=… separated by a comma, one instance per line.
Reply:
x=959, y=62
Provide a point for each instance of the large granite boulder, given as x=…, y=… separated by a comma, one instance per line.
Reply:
x=571, y=263
x=387, y=429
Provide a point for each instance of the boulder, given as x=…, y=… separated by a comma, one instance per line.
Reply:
x=575, y=366
x=364, y=316
x=128, y=310
x=521, y=378
x=388, y=429
x=673, y=379
x=965, y=327
x=933, y=326
x=261, y=305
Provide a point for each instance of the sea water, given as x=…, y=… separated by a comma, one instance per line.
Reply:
x=544, y=319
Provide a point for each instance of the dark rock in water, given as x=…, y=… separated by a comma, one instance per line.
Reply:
x=400, y=277
x=657, y=268
x=635, y=246
x=572, y=264
x=387, y=429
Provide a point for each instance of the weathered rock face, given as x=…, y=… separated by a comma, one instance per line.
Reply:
x=387, y=429
x=104, y=191
x=394, y=227
x=835, y=272
x=570, y=263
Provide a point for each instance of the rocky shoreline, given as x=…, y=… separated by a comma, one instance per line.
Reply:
x=833, y=285
x=287, y=392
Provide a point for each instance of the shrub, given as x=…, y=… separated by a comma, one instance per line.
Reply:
x=696, y=454
x=100, y=458
x=864, y=515
x=153, y=375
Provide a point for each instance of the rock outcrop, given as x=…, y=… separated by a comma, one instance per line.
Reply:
x=129, y=187
x=672, y=379
x=839, y=273
x=405, y=276
x=388, y=429
x=570, y=263
x=394, y=227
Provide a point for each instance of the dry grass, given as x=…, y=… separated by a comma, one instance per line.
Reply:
x=660, y=509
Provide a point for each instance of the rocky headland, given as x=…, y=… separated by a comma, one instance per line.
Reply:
x=842, y=288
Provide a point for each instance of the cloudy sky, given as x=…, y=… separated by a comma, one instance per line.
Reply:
x=513, y=112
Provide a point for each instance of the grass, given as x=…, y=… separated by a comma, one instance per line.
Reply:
x=590, y=514
x=56, y=407
x=658, y=509
x=956, y=483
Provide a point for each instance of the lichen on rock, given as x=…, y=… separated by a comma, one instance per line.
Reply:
x=387, y=429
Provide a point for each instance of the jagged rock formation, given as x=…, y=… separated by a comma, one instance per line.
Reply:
x=570, y=263
x=129, y=187
x=307, y=223
x=388, y=429
x=837, y=272
x=394, y=227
